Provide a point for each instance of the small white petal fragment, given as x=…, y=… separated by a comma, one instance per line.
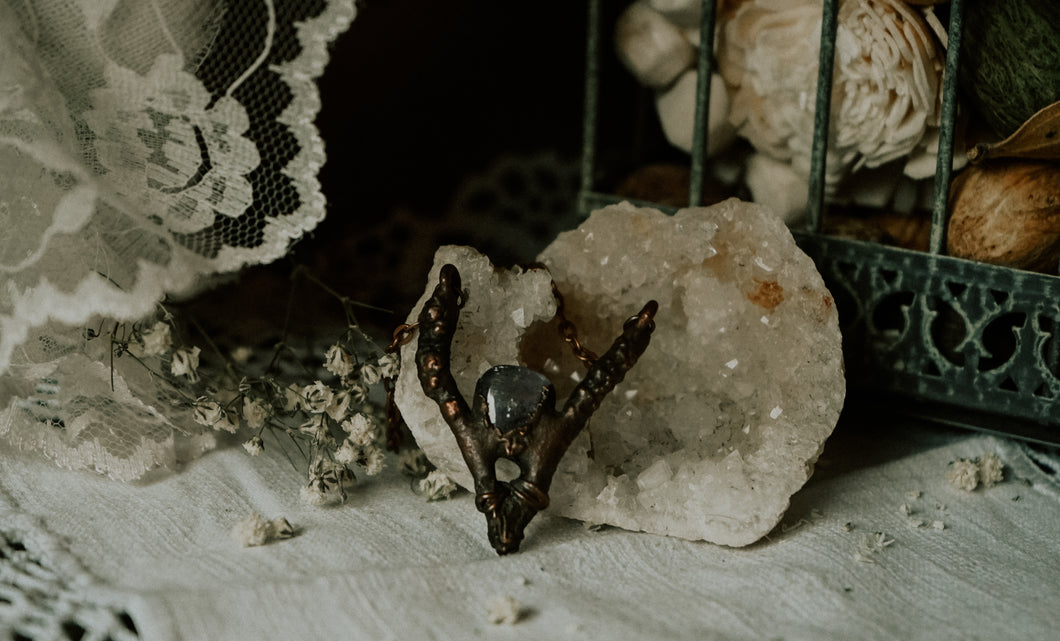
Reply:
x=255, y=530
x=251, y=531
x=963, y=474
x=991, y=469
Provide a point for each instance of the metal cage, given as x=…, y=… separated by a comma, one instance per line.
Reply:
x=953, y=340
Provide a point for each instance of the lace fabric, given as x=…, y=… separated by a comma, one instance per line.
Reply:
x=146, y=147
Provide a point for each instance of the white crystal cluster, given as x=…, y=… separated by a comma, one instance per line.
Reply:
x=720, y=421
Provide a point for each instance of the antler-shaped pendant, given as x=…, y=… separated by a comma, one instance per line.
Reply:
x=514, y=413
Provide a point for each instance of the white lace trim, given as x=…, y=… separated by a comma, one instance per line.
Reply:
x=130, y=173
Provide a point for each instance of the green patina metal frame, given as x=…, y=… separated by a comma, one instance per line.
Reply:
x=957, y=341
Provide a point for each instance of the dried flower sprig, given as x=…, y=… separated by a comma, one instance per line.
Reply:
x=324, y=409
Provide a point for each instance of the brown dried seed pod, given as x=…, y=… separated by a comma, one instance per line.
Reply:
x=1007, y=213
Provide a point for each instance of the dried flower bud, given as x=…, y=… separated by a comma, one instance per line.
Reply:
x=370, y=374
x=991, y=469
x=373, y=461
x=653, y=49
x=228, y=423
x=347, y=453
x=251, y=531
x=292, y=397
x=313, y=494
x=280, y=528
x=340, y=406
x=316, y=398
x=186, y=363
x=157, y=340
x=206, y=411
x=389, y=365
x=255, y=413
x=358, y=392
x=437, y=486
x=360, y=429
x=338, y=361
x=503, y=609
x=963, y=474
x=254, y=446
x=314, y=426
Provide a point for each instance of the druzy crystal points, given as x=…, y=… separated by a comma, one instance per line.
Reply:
x=723, y=417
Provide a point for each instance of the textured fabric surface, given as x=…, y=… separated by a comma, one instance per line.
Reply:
x=388, y=565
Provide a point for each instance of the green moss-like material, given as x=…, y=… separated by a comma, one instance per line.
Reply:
x=1010, y=59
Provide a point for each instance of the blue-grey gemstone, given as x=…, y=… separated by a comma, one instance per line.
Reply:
x=514, y=396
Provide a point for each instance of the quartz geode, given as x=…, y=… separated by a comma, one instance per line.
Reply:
x=723, y=417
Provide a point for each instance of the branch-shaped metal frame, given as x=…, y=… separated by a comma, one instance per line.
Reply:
x=536, y=446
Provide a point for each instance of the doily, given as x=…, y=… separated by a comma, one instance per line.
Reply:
x=145, y=147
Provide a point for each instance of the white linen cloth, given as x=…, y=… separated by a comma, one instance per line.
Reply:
x=389, y=565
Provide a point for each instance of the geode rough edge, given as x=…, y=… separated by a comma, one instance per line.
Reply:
x=724, y=416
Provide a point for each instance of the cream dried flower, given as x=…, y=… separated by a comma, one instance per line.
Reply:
x=229, y=423
x=338, y=361
x=255, y=412
x=292, y=397
x=156, y=340
x=886, y=81
x=963, y=474
x=374, y=461
x=207, y=412
x=437, y=486
x=315, y=427
x=251, y=531
x=255, y=530
x=503, y=610
x=991, y=469
x=360, y=429
x=316, y=398
x=313, y=494
x=339, y=406
x=358, y=393
x=254, y=446
x=371, y=374
x=389, y=365
x=347, y=453
x=186, y=363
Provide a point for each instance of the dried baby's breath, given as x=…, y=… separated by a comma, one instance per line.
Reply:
x=255, y=530
x=254, y=446
x=991, y=469
x=963, y=474
x=186, y=363
x=437, y=486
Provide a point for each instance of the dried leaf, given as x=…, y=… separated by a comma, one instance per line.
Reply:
x=1038, y=138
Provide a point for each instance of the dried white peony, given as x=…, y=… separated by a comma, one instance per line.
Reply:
x=885, y=96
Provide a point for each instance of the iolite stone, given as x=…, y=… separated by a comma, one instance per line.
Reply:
x=514, y=396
